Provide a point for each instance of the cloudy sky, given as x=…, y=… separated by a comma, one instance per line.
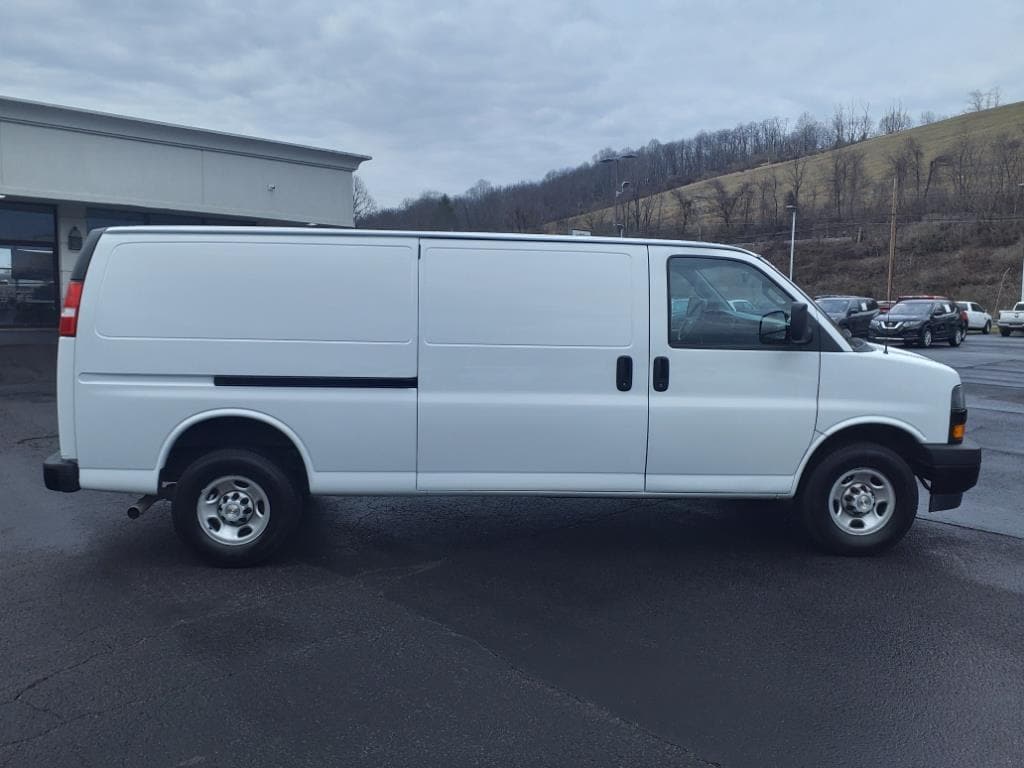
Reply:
x=445, y=93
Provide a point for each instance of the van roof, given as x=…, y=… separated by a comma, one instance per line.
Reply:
x=345, y=232
x=85, y=256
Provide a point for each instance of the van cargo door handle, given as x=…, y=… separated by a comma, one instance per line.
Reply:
x=660, y=378
x=624, y=373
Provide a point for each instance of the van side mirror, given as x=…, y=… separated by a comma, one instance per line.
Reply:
x=799, y=327
x=777, y=329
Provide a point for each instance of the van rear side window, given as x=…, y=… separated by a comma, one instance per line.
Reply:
x=269, y=291
x=542, y=298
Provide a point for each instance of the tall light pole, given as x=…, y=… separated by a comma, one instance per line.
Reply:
x=618, y=189
x=792, y=237
x=1020, y=187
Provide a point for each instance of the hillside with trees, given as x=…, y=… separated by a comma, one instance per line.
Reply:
x=959, y=200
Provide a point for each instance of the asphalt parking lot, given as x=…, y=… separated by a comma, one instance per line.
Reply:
x=510, y=631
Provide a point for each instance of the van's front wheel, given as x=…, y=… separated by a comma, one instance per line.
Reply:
x=859, y=500
x=235, y=507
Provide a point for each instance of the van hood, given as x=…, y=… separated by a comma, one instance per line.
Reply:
x=901, y=355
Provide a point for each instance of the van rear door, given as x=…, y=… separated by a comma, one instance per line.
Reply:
x=533, y=362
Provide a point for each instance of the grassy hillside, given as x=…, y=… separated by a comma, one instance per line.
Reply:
x=935, y=139
x=955, y=252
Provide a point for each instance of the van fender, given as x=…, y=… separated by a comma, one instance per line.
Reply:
x=217, y=413
x=858, y=421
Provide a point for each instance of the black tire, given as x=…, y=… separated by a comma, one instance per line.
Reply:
x=988, y=327
x=926, y=338
x=270, y=483
x=957, y=338
x=1005, y=331
x=820, y=515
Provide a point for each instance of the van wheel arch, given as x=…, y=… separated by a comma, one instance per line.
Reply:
x=895, y=439
x=222, y=432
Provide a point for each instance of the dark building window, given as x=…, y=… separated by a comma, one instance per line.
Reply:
x=24, y=223
x=111, y=217
x=29, y=283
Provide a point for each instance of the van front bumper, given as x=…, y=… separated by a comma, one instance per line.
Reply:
x=61, y=474
x=950, y=470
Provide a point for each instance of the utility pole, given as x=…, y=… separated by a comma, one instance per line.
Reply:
x=792, y=236
x=892, y=241
x=619, y=188
x=1020, y=187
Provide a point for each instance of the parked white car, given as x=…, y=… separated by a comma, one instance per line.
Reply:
x=1011, y=320
x=234, y=371
x=978, y=319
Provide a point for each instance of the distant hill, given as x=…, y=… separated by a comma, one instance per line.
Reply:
x=975, y=132
x=960, y=211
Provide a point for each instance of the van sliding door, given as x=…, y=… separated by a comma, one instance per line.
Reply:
x=533, y=361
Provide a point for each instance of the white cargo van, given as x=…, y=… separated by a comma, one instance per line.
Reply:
x=233, y=371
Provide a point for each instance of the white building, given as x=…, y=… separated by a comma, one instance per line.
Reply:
x=65, y=171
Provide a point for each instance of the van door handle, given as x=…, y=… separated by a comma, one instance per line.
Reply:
x=624, y=373
x=660, y=378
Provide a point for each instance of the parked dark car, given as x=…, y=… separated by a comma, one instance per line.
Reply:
x=920, y=322
x=964, y=321
x=854, y=313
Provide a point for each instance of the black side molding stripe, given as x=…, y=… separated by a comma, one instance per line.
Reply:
x=343, y=382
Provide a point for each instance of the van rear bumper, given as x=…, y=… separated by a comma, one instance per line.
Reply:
x=61, y=474
x=950, y=470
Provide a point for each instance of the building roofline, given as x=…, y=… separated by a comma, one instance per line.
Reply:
x=45, y=115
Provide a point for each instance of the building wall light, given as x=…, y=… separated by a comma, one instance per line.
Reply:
x=74, y=239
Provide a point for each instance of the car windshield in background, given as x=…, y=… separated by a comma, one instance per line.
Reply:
x=912, y=308
x=833, y=306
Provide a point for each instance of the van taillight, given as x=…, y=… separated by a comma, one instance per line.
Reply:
x=69, y=315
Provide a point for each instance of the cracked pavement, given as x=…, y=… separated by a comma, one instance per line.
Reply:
x=506, y=631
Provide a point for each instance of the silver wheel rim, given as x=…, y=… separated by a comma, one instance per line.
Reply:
x=927, y=341
x=233, y=510
x=862, y=501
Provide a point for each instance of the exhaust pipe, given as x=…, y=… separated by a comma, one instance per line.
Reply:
x=141, y=506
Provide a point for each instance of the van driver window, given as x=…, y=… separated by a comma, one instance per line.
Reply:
x=719, y=303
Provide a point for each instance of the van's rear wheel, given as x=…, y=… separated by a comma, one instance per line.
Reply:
x=235, y=507
x=859, y=500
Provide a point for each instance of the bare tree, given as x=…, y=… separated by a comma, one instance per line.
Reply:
x=837, y=182
x=363, y=204
x=686, y=210
x=978, y=100
x=965, y=159
x=895, y=119
x=768, y=189
x=838, y=124
x=856, y=181
x=795, y=172
x=724, y=202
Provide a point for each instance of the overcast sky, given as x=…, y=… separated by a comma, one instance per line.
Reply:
x=443, y=94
